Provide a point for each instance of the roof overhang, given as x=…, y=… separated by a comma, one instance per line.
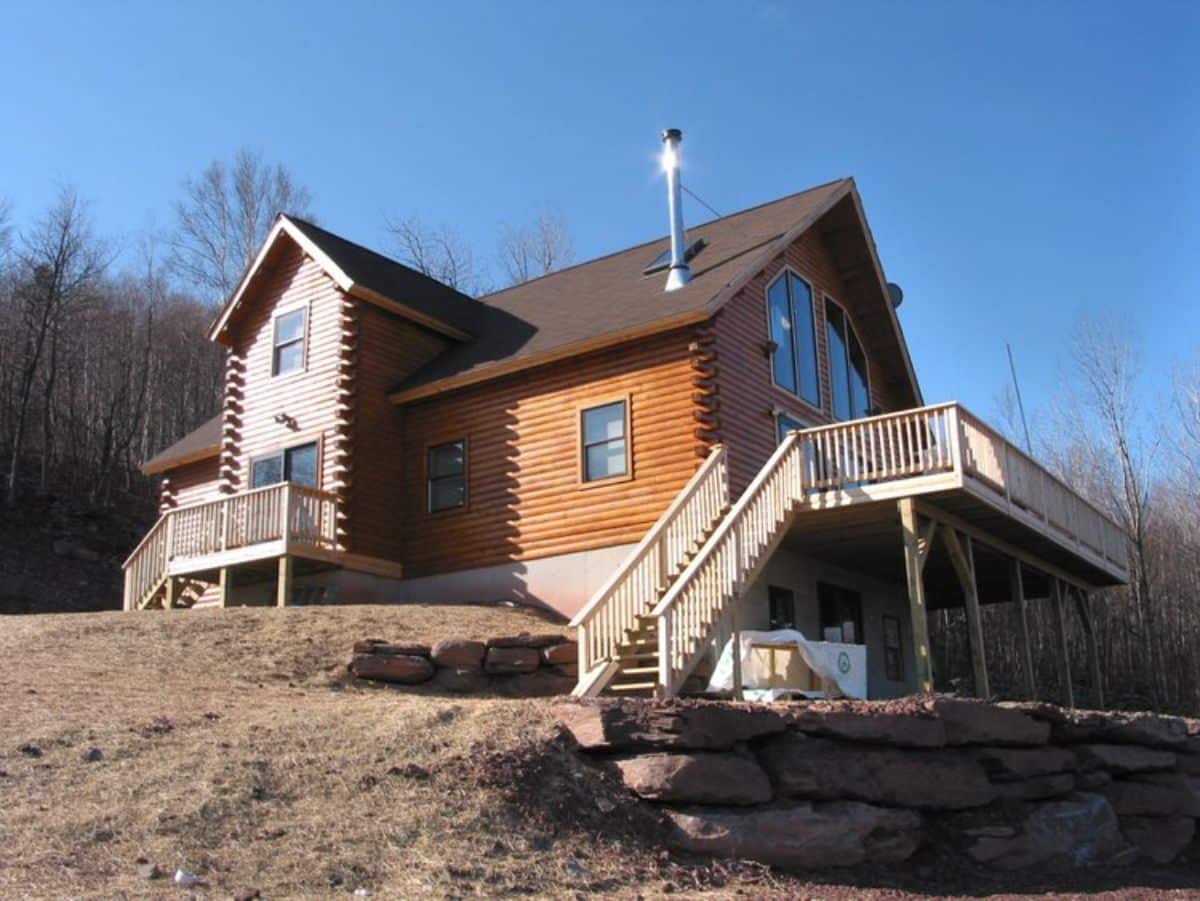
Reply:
x=284, y=227
x=155, y=466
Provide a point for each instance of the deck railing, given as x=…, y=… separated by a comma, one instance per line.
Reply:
x=845, y=463
x=633, y=588
x=295, y=516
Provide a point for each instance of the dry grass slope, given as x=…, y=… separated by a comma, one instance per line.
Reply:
x=233, y=746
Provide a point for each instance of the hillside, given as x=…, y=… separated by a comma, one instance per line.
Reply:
x=232, y=745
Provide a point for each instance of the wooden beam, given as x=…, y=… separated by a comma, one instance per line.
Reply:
x=1017, y=586
x=962, y=556
x=925, y=543
x=171, y=598
x=916, y=594
x=1064, y=658
x=283, y=584
x=225, y=583
x=1083, y=605
x=737, y=650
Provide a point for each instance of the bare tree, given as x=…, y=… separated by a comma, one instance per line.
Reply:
x=224, y=216
x=439, y=252
x=535, y=250
x=5, y=229
x=61, y=260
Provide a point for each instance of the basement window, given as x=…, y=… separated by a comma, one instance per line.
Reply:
x=447, y=472
x=663, y=260
x=288, y=343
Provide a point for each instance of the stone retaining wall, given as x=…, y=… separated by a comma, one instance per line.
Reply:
x=515, y=665
x=834, y=783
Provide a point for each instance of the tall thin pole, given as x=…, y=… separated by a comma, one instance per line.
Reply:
x=1012, y=367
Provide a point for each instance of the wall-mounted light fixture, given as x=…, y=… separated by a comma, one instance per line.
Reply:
x=289, y=421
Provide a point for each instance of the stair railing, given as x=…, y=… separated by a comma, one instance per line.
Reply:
x=633, y=587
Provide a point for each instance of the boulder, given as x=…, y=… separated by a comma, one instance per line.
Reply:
x=1038, y=788
x=567, y=652
x=1092, y=780
x=704, y=777
x=1189, y=764
x=1077, y=831
x=525, y=640
x=544, y=683
x=511, y=660
x=804, y=835
x=405, y=669
x=692, y=725
x=1154, y=795
x=460, y=680
x=458, y=652
x=1016, y=764
x=1159, y=838
x=1106, y=727
x=1124, y=759
x=970, y=722
x=570, y=670
x=887, y=723
x=392, y=649
x=822, y=770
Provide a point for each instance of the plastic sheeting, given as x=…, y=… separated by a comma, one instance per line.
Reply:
x=842, y=668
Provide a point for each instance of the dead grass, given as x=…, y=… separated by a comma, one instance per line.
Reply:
x=234, y=747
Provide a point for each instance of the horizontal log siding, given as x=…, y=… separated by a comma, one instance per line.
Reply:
x=746, y=393
x=390, y=349
x=309, y=397
x=525, y=499
x=191, y=483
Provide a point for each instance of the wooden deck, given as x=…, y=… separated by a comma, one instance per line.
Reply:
x=279, y=521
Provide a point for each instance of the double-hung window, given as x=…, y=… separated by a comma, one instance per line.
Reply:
x=847, y=365
x=295, y=464
x=447, y=473
x=605, y=441
x=841, y=614
x=793, y=337
x=288, y=343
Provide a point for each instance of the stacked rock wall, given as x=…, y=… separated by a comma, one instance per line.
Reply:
x=845, y=782
x=516, y=665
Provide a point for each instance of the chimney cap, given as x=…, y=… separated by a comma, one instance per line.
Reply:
x=672, y=134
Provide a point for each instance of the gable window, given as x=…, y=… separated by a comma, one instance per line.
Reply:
x=793, y=337
x=295, y=464
x=447, y=471
x=847, y=365
x=288, y=350
x=841, y=614
x=605, y=441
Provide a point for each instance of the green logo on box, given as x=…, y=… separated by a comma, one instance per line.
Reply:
x=843, y=663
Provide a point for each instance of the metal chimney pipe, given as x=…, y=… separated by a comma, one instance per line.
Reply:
x=679, y=274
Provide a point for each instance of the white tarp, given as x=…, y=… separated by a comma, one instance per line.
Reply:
x=839, y=666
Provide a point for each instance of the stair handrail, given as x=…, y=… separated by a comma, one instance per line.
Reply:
x=137, y=583
x=613, y=608
x=788, y=454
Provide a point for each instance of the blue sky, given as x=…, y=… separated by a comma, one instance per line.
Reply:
x=1021, y=163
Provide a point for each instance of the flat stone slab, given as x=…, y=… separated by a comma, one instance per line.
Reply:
x=1161, y=839
x=509, y=660
x=823, y=770
x=703, y=777
x=458, y=652
x=1154, y=795
x=526, y=640
x=1124, y=759
x=803, y=836
x=399, y=668
x=1077, y=831
x=898, y=723
x=1107, y=727
x=1017, y=764
x=604, y=725
x=970, y=722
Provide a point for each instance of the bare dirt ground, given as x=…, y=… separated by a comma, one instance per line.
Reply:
x=232, y=745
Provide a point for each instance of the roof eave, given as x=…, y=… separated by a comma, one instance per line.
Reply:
x=154, y=466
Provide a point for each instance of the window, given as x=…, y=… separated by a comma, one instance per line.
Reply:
x=289, y=343
x=788, y=424
x=447, y=469
x=295, y=464
x=893, y=660
x=847, y=365
x=841, y=614
x=781, y=603
x=794, y=344
x=605, y=444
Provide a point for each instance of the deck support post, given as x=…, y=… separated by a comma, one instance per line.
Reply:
x=736, y=648
x=283, y=584
x=962, y=556
x=1064, y=657
x=1016, y=583
x=913, y=566
x=174, y=584
x=224, y=584
x=1083, y=606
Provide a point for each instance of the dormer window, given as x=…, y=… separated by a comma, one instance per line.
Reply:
x=793, y=337
x=288, y=350
x=847, y=366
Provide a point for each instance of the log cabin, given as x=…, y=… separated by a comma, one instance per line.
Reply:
x=716, y=431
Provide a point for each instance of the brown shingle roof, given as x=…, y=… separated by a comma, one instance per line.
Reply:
x=611, y=296
x=198, y=444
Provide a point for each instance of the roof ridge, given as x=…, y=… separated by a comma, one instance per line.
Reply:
x=483, y=298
